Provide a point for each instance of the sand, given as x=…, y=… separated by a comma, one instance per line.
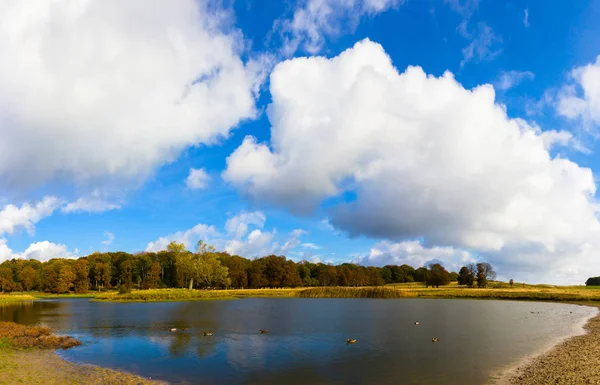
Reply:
x=45, y=367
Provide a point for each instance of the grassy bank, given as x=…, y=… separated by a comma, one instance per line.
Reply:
x=496, y=290
x=156, y=295
x=530, y=292
x=15, y=297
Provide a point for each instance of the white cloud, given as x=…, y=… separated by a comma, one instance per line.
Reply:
x=526, y=18
x=482, y=47
x=13, y=217
x=581, y=100
x=110, y=237
x=314, y=21
x=257, y=243
x=197, y=179
x=311, y=246
x=105, y=91
x=42, y=251
x=237, y=226
x=95, y=202
x=413, y=253
x=189, y=238
x=510, y=79
x=422, y=157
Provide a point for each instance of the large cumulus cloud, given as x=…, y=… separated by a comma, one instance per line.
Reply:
x=92, y=90
x=420, y=157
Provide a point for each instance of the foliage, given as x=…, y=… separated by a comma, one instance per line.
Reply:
x=177, y=267
x=593, y=281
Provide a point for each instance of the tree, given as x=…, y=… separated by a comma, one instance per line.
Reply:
x=153, y=278
x=126, y=275
x=593, y=281
x=437, y=276
x=466, y=275
x=202, y=247
x=208, y=270
x=81, y=269
x=66, y=276
x=7, y=282
x=28, y=277
x=485, y=272
x=511, y=282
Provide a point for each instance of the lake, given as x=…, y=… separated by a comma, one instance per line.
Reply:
x=306, y=343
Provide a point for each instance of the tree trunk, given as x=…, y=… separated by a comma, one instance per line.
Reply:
x=191, y=283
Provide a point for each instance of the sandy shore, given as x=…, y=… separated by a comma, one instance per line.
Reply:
x=573, y=361
x=44, y=367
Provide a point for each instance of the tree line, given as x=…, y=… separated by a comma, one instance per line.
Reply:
x=177, y=267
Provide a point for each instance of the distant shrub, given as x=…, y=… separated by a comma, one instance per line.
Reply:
x=124, y=289
x=593, y=281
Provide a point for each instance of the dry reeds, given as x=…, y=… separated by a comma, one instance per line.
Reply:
x=25, y=337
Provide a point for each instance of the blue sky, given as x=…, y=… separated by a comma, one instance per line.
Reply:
x=312, y=139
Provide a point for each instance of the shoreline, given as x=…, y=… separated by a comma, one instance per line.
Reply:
x=571, y=359
x=46, y=367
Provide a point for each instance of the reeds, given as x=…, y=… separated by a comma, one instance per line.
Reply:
x=25, y=337
x=353, y=292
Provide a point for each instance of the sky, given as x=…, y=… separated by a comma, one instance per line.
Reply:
x=368, y=131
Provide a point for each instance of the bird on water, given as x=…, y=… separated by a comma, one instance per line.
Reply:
x=434, y=339
x=350, y=341
x=262, y=331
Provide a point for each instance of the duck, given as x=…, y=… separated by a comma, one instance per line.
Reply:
x=208, y=334
x=416, y=322
x=262, y=331
x=173, y=329
x=434, y=339
x=350, y=341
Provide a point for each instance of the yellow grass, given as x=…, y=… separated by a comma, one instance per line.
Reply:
x=15, y=297
x=153, y=295
x=495, y=290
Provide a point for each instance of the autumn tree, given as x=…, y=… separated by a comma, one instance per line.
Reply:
x=66, y=277
x=81, y=270
x=7, y=282
x=28, y=277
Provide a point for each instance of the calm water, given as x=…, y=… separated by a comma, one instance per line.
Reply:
x=306, y=343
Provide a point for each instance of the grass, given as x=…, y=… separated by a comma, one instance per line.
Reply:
x=25, y=337
x=161, y=295
x=495, y=291
x=11, y=297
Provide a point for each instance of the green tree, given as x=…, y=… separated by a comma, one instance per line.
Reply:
x=437, y=275
x=485, y=272
x=466, y=276
x=153, y=279
x=208, y=270
x=81, y=269
x=126, y=274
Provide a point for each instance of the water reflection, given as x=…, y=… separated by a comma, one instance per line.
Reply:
x=306, y=340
